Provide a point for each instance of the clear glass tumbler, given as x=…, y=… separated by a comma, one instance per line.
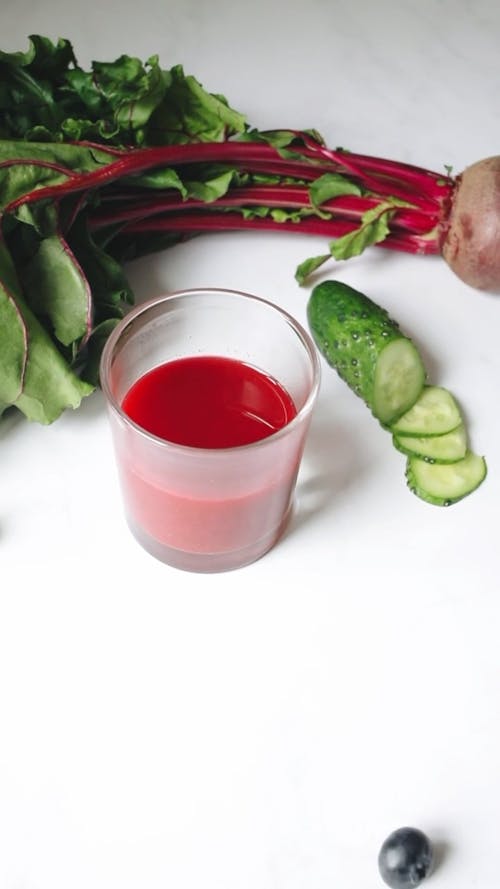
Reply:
x=209, y=509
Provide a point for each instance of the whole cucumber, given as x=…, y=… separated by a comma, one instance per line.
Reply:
x=366, y=347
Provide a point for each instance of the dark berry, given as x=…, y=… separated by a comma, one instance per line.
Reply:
x=405, y=858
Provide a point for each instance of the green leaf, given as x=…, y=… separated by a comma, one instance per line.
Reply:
x=278, y=214
x=13, y=332
x=42, y=58
x=189, y=114
x=282, y=139
x=374, y=228
x=46, y=95
x=125, y=247
x=309, y=266
x=135, y=111
x=118, y=97
x=42, y=216
x=276, y=138
x=57, y=288
x=81, y=129
x=34, y=375
x=106, y=277
x=94, y=348
x=28, y=97
x=26, y=166
x=164, y=177
x=49, y=385
x=19, y=179
x=255, y=212
x=212, y=189
x=331, y=185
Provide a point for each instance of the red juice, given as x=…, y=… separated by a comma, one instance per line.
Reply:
x=209, y=499
x=208, y=401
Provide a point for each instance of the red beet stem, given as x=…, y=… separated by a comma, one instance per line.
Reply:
x=196, y=223
x=349, y=207
x=412, y=184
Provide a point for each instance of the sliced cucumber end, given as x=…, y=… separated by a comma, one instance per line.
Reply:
x=399, y=380
x=445, y=484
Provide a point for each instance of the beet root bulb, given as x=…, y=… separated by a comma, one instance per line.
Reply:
x=471, y=244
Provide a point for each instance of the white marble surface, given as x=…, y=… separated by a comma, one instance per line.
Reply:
x=265, y=729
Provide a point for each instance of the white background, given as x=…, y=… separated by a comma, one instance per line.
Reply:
x=267, y=728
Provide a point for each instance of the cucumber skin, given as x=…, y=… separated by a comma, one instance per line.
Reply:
x=351, y=332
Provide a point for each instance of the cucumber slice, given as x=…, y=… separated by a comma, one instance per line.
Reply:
x=399, y=380
x=444, y=484
x=434, y=413
x=447, y=448
x=367, y=349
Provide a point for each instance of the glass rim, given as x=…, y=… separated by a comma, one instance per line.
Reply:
x=145, y=307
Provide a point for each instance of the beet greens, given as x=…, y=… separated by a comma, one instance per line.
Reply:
x=100, y=167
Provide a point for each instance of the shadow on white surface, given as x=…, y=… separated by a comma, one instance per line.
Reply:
x=92, y=408
x=442, y=851
x=10, y=419
x=333, y=463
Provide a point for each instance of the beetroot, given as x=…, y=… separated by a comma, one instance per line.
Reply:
x=471, y=234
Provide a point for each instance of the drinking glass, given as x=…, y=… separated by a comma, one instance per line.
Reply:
x=209, y=509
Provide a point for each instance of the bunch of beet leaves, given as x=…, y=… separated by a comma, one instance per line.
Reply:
x=99, y=167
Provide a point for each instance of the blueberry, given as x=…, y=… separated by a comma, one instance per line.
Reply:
x=405, y=858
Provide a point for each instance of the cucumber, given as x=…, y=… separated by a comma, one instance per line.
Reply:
x=445, y=448
x=444, y=484
x=367, y=349
x=382, y=366
x=434, y=413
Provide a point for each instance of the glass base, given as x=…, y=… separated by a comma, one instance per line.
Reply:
x=209, y=563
